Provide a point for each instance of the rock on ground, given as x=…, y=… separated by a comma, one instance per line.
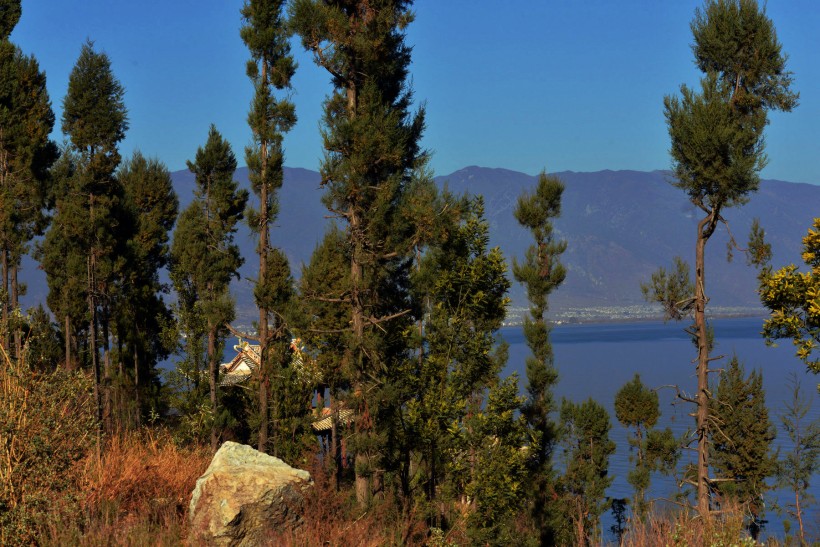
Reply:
x=244, y=497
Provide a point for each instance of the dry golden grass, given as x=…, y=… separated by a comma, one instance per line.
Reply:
x=136, y=494
x=331, y=518
x=142, y=470
x=684, y=528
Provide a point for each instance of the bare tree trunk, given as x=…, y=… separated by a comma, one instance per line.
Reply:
x=68, y=364
x=15, y=305
x=5, y=315
x=581, y=539
x=335, y=442
x=706, y=228
x=109, y=406
x=263, y=274
x=213, y=377
x=362, y=461
x=799, y=515
x=92, y=346
x=263, y=397
x=137, y=385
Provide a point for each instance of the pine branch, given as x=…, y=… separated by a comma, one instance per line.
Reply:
x=678, y=393
x=240, y=334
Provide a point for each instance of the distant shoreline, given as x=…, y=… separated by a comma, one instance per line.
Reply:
x=586, y=318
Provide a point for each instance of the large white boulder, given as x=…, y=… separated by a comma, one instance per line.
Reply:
x=245, y=497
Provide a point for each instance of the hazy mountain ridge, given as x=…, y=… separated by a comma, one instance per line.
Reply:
x=619, y=226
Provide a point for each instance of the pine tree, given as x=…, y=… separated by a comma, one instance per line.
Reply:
x=142, y=317
x=800, y=464
x=324, y=282
x=541, y=273
x=291, y=382
x=498, y=435
x=582, y=488
x=87, y=232
x=26, y=154
x=43, y=346
x=372, y=145
x=718, y=151
x=10, y=12
x=64, y=261
x=466, y=284
x=205, y=258
x=271, y=67
x=742, y=436
x=433, y=218
x=636, y=406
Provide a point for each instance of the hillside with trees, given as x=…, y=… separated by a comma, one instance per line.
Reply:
x=367, y=301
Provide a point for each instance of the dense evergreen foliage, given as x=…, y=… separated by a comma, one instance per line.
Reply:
x=541, y=273
x=271, y=67
x=636, y=406
x=143, y=320
x=26, y=155
x=466, y=284
x=204, y=259
x=742, y=435
x=90, y=230
x=586, y=450
x=371, y=139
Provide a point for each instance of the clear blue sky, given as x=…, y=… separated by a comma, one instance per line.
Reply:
x=520, y=84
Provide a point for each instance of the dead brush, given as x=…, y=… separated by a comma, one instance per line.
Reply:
x=331, y=518
x=46, y=428
x=143, y=473
x=684, y=528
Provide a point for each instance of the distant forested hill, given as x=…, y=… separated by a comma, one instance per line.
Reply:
x=619, y=225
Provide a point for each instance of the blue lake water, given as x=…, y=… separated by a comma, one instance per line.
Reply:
x=596, y=360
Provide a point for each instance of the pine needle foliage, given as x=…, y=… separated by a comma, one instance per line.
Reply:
x=636, y=407
x=270, y=68
x=205, y=259
x=741, y=451
x=371, y=139
x=541, y=273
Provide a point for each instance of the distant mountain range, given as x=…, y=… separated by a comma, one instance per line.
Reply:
x=619, y=227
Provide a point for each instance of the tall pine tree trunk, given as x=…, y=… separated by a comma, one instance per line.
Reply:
x=137, y=385
x=213, y=377
x=68, y=364
x=799, y=514
x=335, y=441
x=263, y=271
x=5, y=314
x=92, y=346
x=580, y=531
x=15, y=305
x=362, y=465
x=113, y=412
x=706, y=228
